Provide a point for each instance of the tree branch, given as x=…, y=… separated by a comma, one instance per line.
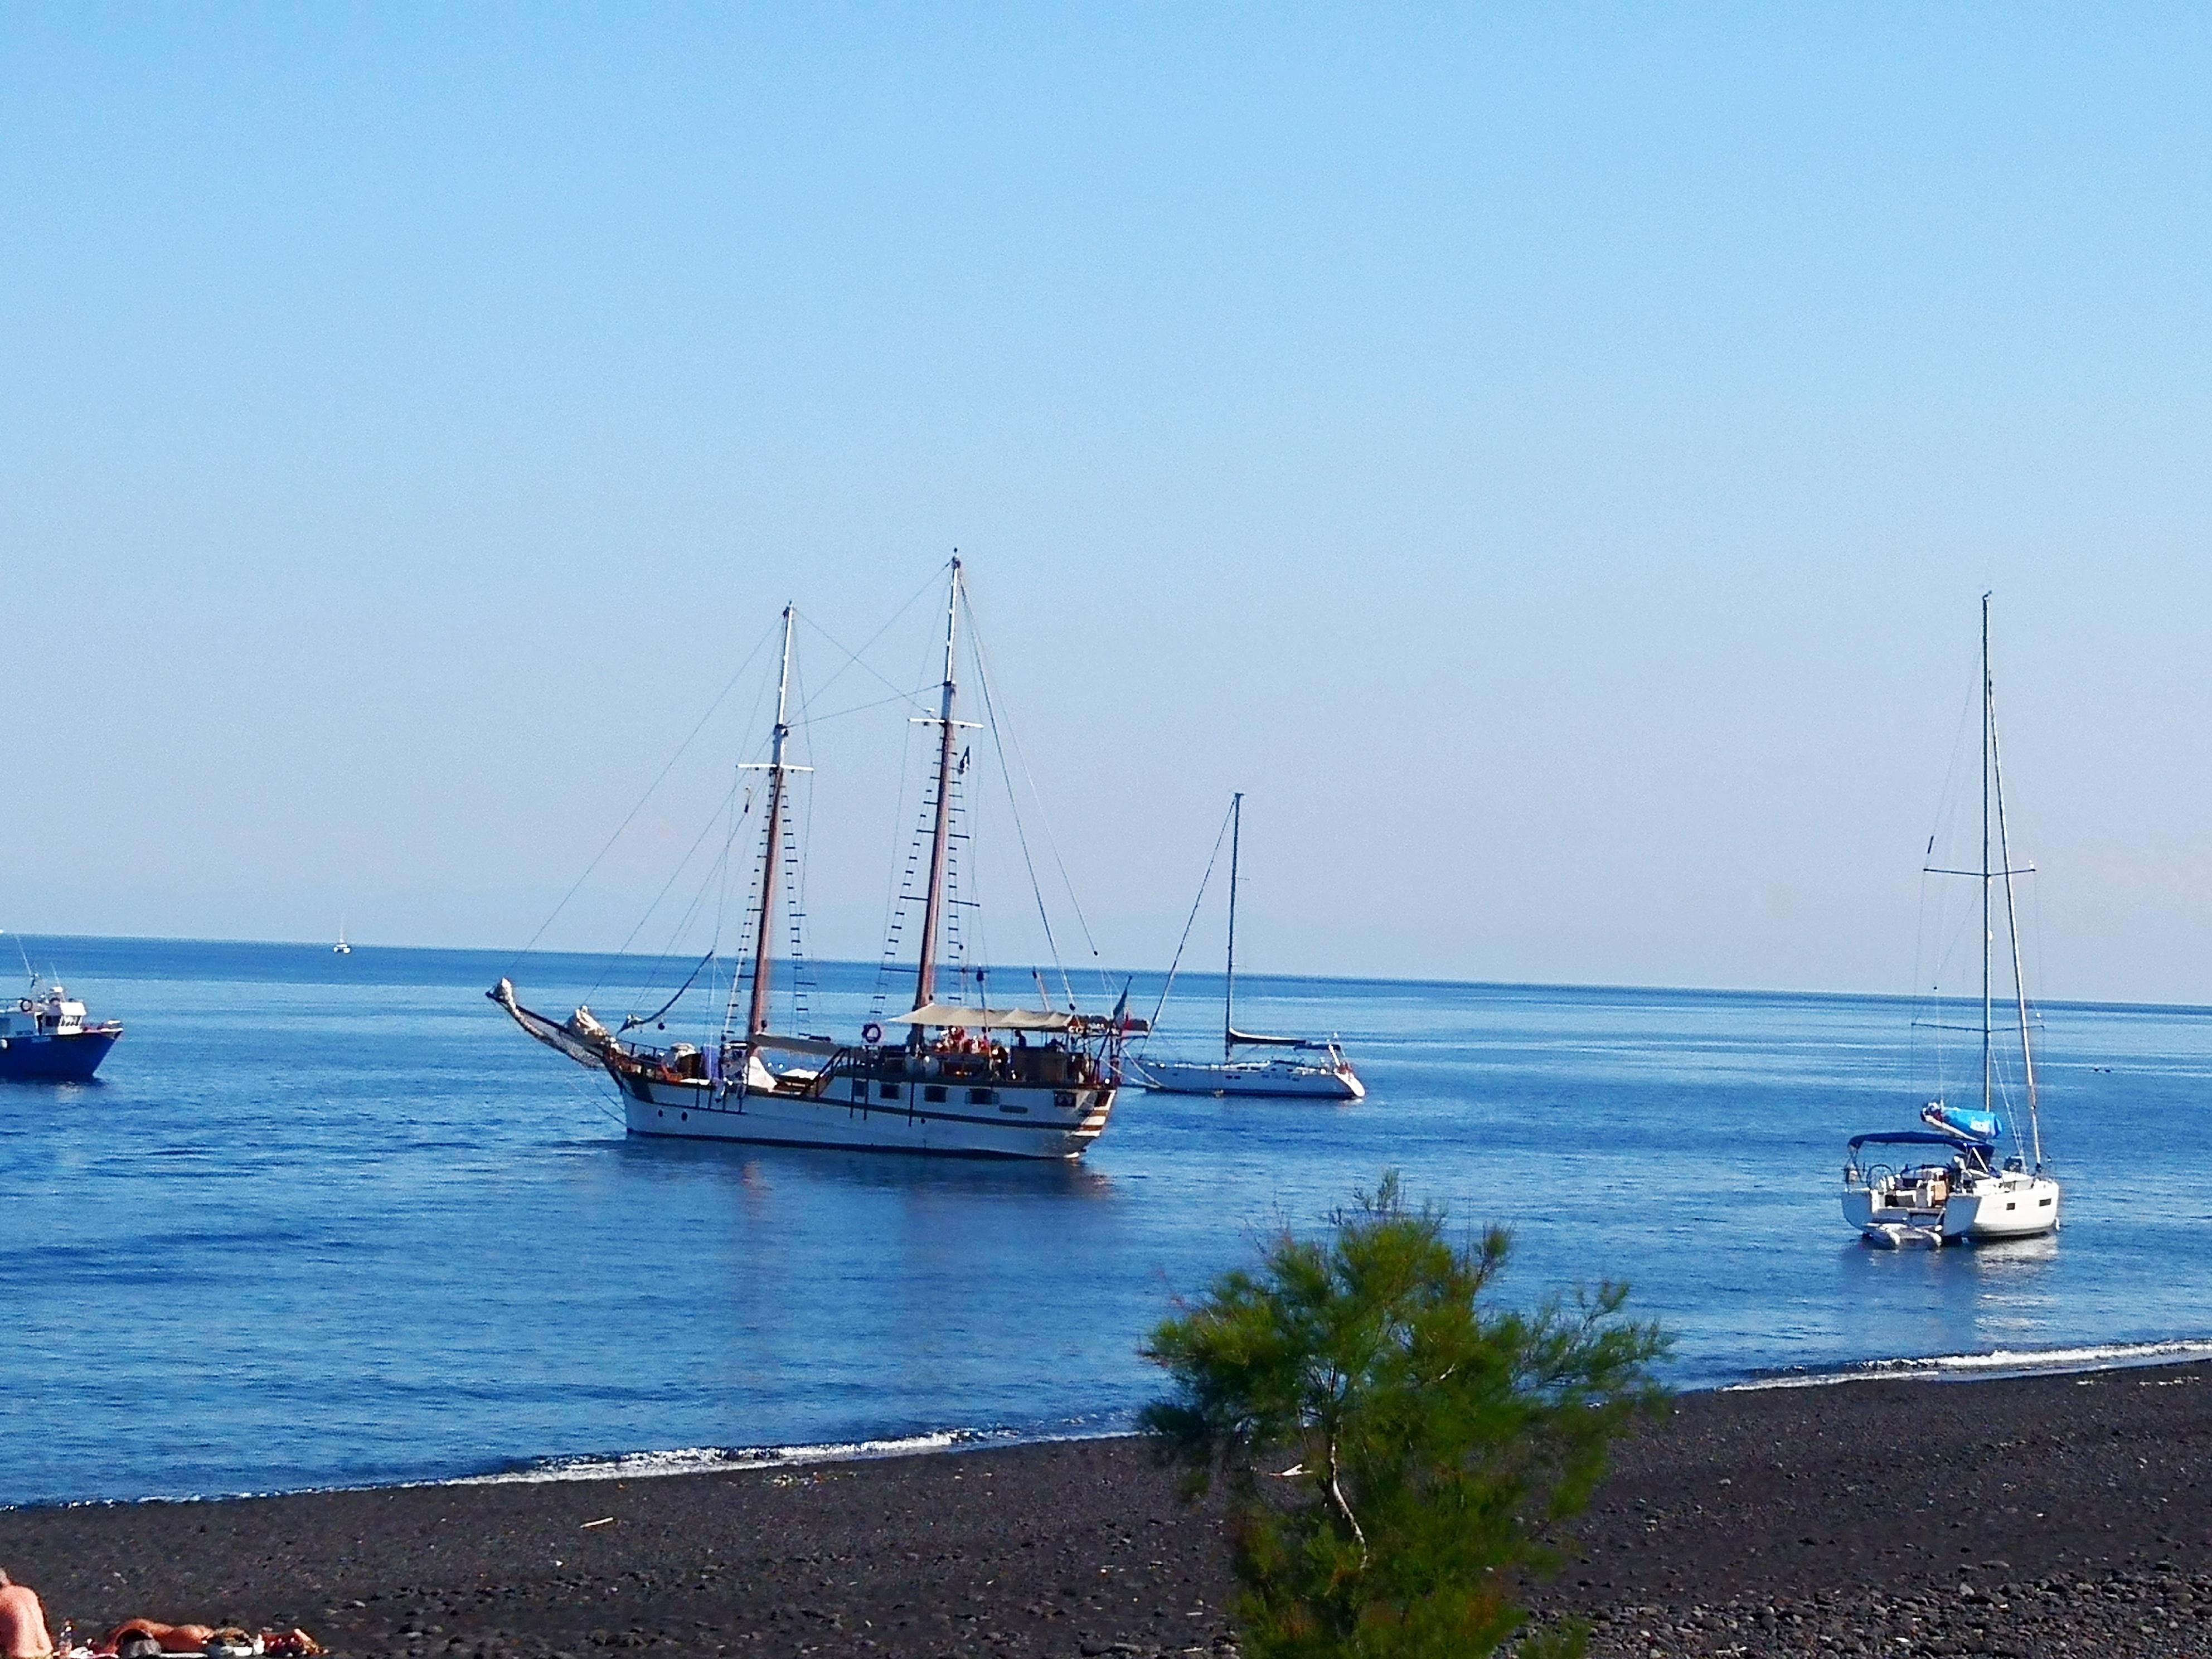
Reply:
x=1336, y=1491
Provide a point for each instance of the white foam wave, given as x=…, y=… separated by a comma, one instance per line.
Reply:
x=1998, y=1362
x=705, y=1459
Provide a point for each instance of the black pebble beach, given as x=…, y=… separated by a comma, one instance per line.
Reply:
x=2029, y=1516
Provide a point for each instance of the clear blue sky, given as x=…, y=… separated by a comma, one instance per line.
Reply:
x=1549, y=459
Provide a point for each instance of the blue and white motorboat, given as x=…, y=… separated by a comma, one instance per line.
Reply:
x=45, y=1037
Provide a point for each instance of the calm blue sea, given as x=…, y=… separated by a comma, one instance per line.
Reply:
x=333, y=1220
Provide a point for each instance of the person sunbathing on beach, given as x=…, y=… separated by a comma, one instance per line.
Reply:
x=22, y=1622
x=137, y=1639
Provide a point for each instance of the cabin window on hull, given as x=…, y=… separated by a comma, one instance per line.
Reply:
x=934, y=1092
x=890, y=1091
x=982, y=1097
x=1064, y=1099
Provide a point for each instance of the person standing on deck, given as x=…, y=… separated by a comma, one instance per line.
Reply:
x=22, y=1622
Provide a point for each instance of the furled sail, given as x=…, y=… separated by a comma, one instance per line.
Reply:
x=986, y=1019
x=1962, y=1122
x=580, y=1037
x=1235, y=1037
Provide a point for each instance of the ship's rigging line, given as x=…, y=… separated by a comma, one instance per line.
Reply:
x=797, y=840
x=660, y=778
x=683, y=748
x=895, y=888
x=912, y=699
x=799, y=828
x=720, y=869
x=1927, y=987
x=631, y=1023
x=1190, y=921
x=715, y=883
x=1930, y=1001
x=1021, y=834
x=899, y=886
x=857, y=659
x=737, y=818
x=999, y=740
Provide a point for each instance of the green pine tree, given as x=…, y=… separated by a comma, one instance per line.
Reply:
x=1429, y=1447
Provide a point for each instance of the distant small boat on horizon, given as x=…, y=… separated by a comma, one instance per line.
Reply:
x=342, y=949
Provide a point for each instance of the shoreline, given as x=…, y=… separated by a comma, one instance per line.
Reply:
x=676, y=1463
x=1749, y=1521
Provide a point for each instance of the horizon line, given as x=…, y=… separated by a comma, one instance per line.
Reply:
x=1746, y=992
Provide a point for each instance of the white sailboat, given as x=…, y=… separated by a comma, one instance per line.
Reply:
x=1318, y=1070
x=342, y=949
x=1948, y=1182
x=952, y=1084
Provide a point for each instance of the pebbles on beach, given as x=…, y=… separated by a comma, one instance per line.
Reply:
x=2161, y=1613
x=2050, y=1515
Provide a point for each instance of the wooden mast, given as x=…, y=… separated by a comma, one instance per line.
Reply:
x=925, y=979
x=1229, y=979
x=757, y=1017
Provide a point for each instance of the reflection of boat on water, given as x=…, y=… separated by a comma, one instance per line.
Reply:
x=46, y=1036
x=1317, y=1070
x=1948, y=1183
x=760, y=1166
x=976, y=1081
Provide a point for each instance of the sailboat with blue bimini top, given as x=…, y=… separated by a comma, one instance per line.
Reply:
x=959, y=1078
x=1968, y=1175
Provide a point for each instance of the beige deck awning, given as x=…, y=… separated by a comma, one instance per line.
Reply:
x=985, y=1019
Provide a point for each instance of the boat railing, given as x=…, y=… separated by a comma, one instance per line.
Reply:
x=1020, y=1066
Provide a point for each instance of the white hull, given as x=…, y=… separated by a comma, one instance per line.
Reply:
x=2010, y=1205
x=1273, y=1079
x=1011, y=1121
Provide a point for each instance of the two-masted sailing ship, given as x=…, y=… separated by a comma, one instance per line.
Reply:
x=1028, y=1082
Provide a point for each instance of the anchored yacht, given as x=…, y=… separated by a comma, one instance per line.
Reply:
x=1316, y=1070
x=1952, y=1182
